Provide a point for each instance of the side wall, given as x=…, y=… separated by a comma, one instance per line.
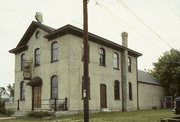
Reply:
x=150, y=96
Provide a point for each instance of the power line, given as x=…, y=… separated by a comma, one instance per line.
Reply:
x=105, y=9
x=138, y=18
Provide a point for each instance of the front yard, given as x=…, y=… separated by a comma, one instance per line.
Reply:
x=133, y=116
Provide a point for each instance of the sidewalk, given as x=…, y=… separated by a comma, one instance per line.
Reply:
x=3, y=118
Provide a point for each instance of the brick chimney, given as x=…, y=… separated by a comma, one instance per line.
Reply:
x=124, y=39
x=124, y=72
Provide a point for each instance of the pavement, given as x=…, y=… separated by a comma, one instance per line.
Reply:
x=3, y=118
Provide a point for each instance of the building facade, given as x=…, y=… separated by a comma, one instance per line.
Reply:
x=56, y=70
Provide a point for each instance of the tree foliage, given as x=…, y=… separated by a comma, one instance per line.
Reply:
x=10, y=88
x=167, y=70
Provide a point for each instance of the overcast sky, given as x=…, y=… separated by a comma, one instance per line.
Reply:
x=107, y=19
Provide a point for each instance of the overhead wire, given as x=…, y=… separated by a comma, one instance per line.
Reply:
x=139, y=19
x=120, y=21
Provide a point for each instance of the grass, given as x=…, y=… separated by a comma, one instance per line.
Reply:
x=3, y=115
x=133, y=116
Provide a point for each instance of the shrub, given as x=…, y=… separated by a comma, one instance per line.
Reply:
x=39, y=114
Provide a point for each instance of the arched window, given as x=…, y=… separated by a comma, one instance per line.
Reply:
x=54, y=87
x=22, y=90
x=116, y=90
x=129, y=64
x=116, y=60
x=37, y=57
x=22, y=59
x=102, y=57
x=130, y=91
x=54, y=51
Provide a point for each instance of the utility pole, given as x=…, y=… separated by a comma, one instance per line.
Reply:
x=86, y=61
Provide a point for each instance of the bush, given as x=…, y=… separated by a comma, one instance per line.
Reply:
x=6, y=111
x=39, y=114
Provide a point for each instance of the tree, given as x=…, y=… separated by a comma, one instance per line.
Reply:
x=10, y=88
x=167, y=70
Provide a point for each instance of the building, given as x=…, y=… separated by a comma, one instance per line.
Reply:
x=150, y=91
x=55, y=59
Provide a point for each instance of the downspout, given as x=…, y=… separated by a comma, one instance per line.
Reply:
x=137, y=84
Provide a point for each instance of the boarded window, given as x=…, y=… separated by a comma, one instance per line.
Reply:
x=22, y=90
x=116, y=90
x=130, y=91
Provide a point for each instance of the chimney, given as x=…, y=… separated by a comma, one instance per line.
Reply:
x=39, y=17
x=124, y=39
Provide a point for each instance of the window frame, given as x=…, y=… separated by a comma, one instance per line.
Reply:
x=22, y=59
x=22, y=90
x=53, y=50
x=102, y=57
x=116, y=90
x=129, y=64
x=130, y=91
x=116, y=60
x=52, y=88
x=36, y=56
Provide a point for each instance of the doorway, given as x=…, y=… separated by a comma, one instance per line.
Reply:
x=37, y=96
x=103, y=96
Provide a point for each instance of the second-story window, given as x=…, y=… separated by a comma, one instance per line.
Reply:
x=102, y=57
x=54, y=51
x=129, y=64
x=22, y=59
x=116, y=60
x=37, y=57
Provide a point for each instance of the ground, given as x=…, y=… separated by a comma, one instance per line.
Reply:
x=133, y=116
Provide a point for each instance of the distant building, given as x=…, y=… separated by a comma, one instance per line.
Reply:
x=56, y=57
x=4, y=94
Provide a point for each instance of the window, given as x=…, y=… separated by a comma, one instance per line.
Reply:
x=22, y=59
x=37, y=57
x=54, y=87
x=54, y=51
x=102, y=57
x=116, y=60
x=22, y=90
x=130, y=91
x=129, y=64
x=116, y=90
x=38, y=34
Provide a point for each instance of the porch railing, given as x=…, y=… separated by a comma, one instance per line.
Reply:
x=45, y=104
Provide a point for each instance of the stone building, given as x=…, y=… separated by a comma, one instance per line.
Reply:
x=56, y=63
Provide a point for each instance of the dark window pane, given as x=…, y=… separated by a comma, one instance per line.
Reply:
x=116, y=90
x=116, y=60
x=54, y=87
x=54, y=51
x=102, y=56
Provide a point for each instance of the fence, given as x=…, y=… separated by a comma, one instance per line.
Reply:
x=167, y=102
x=44, y=104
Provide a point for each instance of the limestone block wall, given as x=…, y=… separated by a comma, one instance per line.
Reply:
x=150, y=95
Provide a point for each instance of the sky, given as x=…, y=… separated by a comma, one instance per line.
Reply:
x=153, y=26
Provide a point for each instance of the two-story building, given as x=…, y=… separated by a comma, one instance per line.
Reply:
x=56, y=57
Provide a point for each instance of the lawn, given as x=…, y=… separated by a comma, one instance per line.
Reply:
x=133, y=116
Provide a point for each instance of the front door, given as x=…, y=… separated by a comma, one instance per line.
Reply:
x=37, y=96
x=103, y=98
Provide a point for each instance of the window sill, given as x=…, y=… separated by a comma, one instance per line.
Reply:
x=116, y=68
x=54, y=61
x=117, y=99
x=102, y=65
x=36, y=65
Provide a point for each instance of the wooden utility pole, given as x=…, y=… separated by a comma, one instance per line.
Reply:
x=86, y=61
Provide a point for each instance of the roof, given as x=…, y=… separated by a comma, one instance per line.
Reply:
x=144, y=77
x=33, y=26
x=67, y=29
